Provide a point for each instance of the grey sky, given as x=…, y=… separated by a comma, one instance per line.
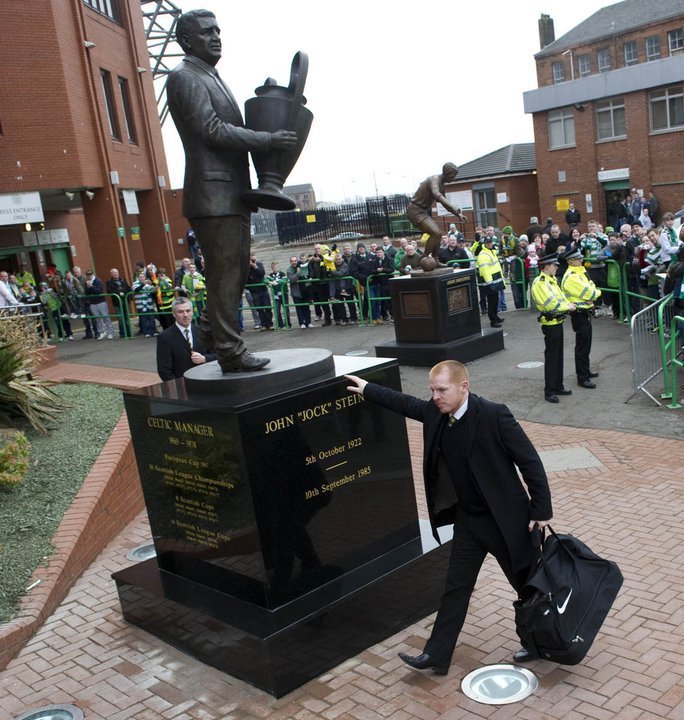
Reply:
x=395, y=93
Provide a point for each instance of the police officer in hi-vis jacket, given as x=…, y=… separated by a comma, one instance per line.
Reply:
x=553, y=306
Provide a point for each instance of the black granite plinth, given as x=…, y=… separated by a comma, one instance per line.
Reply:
x=435, y=307
x=269, y=505
x=465, y=350
x=279, y=655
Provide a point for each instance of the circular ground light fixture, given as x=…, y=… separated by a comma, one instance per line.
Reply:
x=142, y=552
x=53, y=712
x=529, y=365
x=355, y=353
x=499, y=684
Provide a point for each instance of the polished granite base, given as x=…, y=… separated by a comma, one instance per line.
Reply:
x=280, y=650
x=466, y=349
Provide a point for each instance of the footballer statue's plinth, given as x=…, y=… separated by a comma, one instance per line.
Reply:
x=437, y=317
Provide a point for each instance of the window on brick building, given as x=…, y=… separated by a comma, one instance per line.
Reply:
x=652, y=48
x=584, y=65
x=558, y=72
x=666, y=108
x=110, y=8
x=561, y=128
x=631, y=54
x=485, y=205
x=110, y=105
x=675, y=41
x=604, y=60
x=129, y=120
x=611, y=123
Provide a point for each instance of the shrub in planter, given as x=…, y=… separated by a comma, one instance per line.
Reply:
x=14, y=459
x=22, y=395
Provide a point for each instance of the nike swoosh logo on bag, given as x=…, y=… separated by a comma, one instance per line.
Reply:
x=561, y=608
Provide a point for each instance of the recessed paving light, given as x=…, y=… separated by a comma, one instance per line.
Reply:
x=499, y=684
x=142, y=552
x=53, y=712
x=529, y=364
x=357, y=352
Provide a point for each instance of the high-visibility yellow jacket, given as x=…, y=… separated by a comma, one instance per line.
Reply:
x=549, y=300
x=579, y=288
x=488, y=266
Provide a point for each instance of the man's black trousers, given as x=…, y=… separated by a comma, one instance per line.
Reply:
x=474, y=537
x=581, y=324
x=553, y=358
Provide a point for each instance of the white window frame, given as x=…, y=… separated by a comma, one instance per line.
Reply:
x=613, y=108
x=581, y=60
x=675, y=41
x=630, y=53
x=654, y=40
x=666, y=96
x=603, y=54
x=558, y=72
x=565, y=119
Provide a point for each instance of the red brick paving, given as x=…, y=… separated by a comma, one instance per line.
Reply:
x=630, y=509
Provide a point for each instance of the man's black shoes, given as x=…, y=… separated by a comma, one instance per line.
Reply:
x=523, y=655
x=593, y=375
x=588, y=384
x=563, y=391
x=424, y=662
x=551, y=398
x=244, y=363
x=495, y=324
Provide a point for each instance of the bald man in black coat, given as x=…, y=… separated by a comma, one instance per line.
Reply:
x=473, y=450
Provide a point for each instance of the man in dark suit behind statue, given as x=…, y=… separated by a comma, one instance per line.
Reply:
x=216, y=144
x=179, y=347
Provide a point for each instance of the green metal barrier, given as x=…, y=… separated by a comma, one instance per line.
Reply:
x=676, y=359
x=356, y=301
x=377, y=298
x=87, y=299
x=626, y=294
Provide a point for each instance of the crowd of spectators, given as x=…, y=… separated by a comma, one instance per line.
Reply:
x=61, y=298
x=342, y=285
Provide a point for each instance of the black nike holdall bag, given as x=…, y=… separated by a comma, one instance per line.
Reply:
x=567, y=596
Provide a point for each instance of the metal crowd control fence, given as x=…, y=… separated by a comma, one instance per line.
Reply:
x=28, y=321
x=608, y=289
x=649, y=356
x=674, y=347
x=356, y=301
x=626, y=294
x=129, y=315
x=376, y=298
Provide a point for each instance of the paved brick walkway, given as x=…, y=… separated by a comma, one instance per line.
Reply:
x=629, y=507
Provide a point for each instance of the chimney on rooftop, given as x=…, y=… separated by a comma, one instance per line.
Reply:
x=546, y=32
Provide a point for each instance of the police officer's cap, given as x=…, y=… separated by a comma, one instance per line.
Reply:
x=549, y=259
x=572, y=255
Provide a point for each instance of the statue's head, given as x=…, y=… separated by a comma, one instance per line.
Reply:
x=449, y=171
x=198, y=33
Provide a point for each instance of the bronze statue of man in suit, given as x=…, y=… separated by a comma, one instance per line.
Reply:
x=216, y=145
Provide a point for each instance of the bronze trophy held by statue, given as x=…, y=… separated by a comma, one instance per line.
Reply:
x=275, y=108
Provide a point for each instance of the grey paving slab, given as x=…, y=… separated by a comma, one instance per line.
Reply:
x=568, y=459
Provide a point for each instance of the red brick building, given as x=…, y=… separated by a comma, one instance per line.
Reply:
x=609, y=109
x=82, y=164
